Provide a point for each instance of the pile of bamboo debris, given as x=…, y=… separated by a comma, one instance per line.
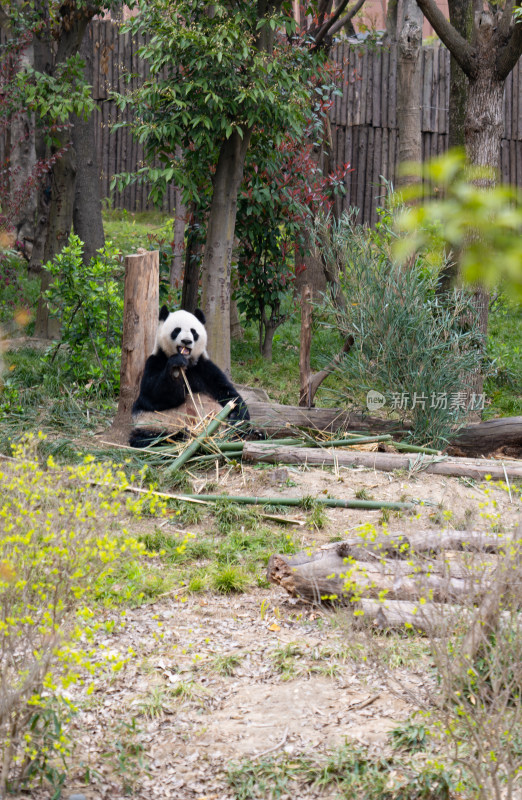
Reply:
x=423, y=581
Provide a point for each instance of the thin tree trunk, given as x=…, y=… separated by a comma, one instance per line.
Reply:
x=180, y=223
x=87, y=208
x=190, y=288
x=461, y=17
x=409, y=92
x=215, y=278
x=58, y=230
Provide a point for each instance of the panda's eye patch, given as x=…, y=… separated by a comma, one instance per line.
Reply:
x=175, y=333
x=195, y=334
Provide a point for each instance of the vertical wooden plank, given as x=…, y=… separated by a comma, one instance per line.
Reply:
x=348, y=158
x=104, y=161
x=355, y=164
x=385, y=77
x=115, y=56
x=504, y=160
x=518, y=69
x=427, y=77
x=376, y=88
x=518, y=177
x=361, y=156
x=507, y=106
x=392, y=95
x=384, y=168
x=512, y=162
x=358, y=84
x=368, y=174
x=345, y=112
x=340, y=140
x=336, y=108
x=96, y=44
x=435, y=90
x=376, y=175
x=514, y=102
x=368, y=90
x=393, y=143
x=441, y=102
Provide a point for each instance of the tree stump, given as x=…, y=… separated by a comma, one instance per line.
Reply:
x=140, y=322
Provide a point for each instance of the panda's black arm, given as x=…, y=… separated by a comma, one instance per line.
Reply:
x=160, y=389
x=216, y=384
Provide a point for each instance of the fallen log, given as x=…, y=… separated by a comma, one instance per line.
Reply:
x=402, y=546
x=486, y=437
x=276, y=418
x=336, y=579
x=481, y=438
x=505, y=583
x=431, y=618
x=471, y=468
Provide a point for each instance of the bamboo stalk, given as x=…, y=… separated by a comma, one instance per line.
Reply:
x=197, y=442
x=413, y=448
x=329, y=502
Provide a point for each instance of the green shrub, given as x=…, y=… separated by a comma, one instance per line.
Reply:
x=88, y=300
x=416, y=347
x=60, y=536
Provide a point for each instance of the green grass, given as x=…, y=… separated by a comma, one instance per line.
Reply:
x=349, y=772
x=130, y=230
x=504, y=388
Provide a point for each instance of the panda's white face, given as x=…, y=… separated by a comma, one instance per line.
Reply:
x=182, y=332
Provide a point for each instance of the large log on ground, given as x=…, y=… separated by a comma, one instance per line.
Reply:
x=402, y=546
x=504, y=589
x=472, y=468
x=334, y=578
x=276, y=418
x=486, y=437
x=478, y=439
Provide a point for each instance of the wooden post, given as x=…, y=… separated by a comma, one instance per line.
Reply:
x=140, y=322
x=305, y=345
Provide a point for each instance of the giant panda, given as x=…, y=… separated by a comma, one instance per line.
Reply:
x=180, y=357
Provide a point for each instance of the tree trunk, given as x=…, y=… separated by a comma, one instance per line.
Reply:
x=21, y=154
x=63, y=174
x=140, y=323
x=484, y=120
x=409, y=92
x=215, y=277
x=190, y=288
x=180, y=223
x=461, y=17
x=87, y=208
x=58, y=230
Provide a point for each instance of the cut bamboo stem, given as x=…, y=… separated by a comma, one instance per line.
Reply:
x=329, y=502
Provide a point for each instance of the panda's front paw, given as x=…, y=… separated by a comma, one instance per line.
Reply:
x=177, y=361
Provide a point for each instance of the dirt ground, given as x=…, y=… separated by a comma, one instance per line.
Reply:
x=191, y=721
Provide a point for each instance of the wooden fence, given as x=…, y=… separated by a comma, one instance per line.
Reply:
x=363, y=118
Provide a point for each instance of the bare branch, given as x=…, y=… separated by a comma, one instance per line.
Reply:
x=326, y=26
x=352, y=11
x=506, y=19
x=510, y=53
x=460, y=49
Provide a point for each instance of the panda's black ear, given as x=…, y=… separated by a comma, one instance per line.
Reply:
x=164, y=312
x=200, y=315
